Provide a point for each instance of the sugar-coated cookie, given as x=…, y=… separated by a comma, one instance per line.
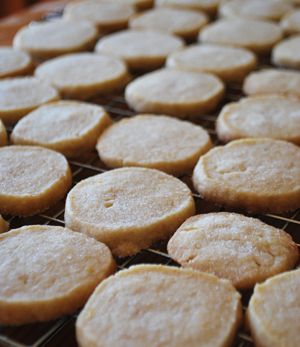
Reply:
x=175, y=92
x=274, y=116
x=257, y=175
x=168, y=307
x=83, y=75
x=69, y=127
x=159, y=142
x=287, y=53
x=50, y=39
x=210, y=6
x=258, y=36
x=14, y=62
x=231, y=64
x=48, y=272
x=181, y=22
x=128, y=209
x=273, y=81
x=3, y=135
x=31, y=179
x=140, y=49
x=274, y=311
x=4, y=226
x=21, y=95
x=290, y=22
x=243, y=250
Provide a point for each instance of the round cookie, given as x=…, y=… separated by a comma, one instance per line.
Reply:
x=229, y=245
x=48, y=272
x=208, y=6
x=140, y=49
x=152, y=141
x=21, y=95
x=231, y=64
x=31, y=179
x=107, y=16
x=254, y=9
x=273, y=116
x=128, y=209
x=181, y=22
x=68, y=127
x=168, y=307
x=83, y=75
x=258, y=36
x=14, y=62
x=176, y=93
x=274, y=311
x=4, y=226
x=3, y=135
x=273, y=81
x=290, y=22
x=287, y=53
x=50, y=39
x=257, y=175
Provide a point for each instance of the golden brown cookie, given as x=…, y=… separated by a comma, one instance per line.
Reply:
x=69, y=127
x=128, y=209
x=210, y=6
x=152, y=141
x=290, y=22
x=14, y=62
x=168, y=307
x=48, y=272
x=243, y=250
x=4, y=226
x=257, y=175
x=31, y=179
x=287, y=53
x=3, y=135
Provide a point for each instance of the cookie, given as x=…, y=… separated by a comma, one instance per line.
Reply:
x=287, y=53
x=274, y=311
x=243, y=250
x=3, y=135
x=168, y=307
x=174, y=92
x=254, y=9
x=69, y=127
x=14, y=62
x=83, y=75
x=210, y=7
x=21, y=95
x=152, y=141
x=139, y=5
x=256, y=175
x=258, y=36
x=50, y=39
x=4, y=226
x=231, y=64
x=290, y=22
x=128, y=209
x=31, y=179
x=181, y=22
x=48, y=272
x=107, y=16
x=273, y=116
x=273, y=81
x=140, y=49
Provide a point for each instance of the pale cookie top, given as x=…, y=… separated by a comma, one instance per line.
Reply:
x=13, y=62
x=232, y=246
x=51, y=269
x=287, y=53
x=140, y=5
x=4, y=226
x=168, y=307
x=181, y=22
x=254, y=9
x=231, y=64
x=257, y=175
x=50, y=39
x=106, y=15
x=20, y=95
x=3, y=134
x=290, y=22
x=270, y=81
x=208, y=6
x=274, y=311
x=30, y=174
x=272, y=116
x=152, y=141
x=128, y=209
x=68, y=127
x=258, y=36
x=140, y=49
x=83, y=75
x=175, y=92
